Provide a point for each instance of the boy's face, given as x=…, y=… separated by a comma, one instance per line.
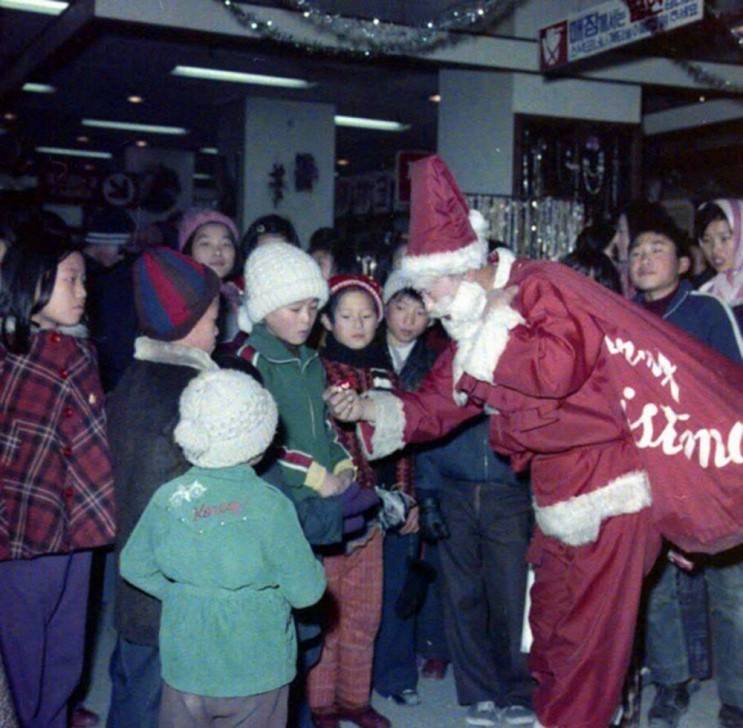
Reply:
x=355, y=321
x=406, y=319
x=654, y=266
x=324, y=258
x=718, y=245
x=293, y=323
x=204, y=334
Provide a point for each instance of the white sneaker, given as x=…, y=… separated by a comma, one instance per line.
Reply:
x=517, y=715
x=482, y=713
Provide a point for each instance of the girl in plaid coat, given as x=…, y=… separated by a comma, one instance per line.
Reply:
x=56, y=491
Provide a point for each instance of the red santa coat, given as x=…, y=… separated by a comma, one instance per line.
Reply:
x=56, y=484
x=616, y=410
x=630, y=426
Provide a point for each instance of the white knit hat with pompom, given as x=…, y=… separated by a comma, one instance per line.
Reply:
x=227, y=418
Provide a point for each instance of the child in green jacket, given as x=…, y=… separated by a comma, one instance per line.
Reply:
x=224, y=552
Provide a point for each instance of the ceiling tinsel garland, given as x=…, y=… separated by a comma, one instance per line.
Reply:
x=376, y=37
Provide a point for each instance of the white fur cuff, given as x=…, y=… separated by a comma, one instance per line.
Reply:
x=389, y=425
x=576, y=521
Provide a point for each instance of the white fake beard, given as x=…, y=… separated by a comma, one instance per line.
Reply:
x=461, y=314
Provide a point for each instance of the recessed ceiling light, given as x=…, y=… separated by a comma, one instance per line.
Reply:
x=209, y=150
x=359, y=122
x=127, y=126
x=9, y=116
x=141, y=143
x=215, y=74
x=74, y=152
x=89, y=167
x=702, y=99
x=82, y=139
x=135, y=99
x=39, y=88
x=435, y=98
x=47, y=7
x=342, y=162
x=201, y=176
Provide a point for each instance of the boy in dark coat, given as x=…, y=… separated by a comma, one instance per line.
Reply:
x=177, y=308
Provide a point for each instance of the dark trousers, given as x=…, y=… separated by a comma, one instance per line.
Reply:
x=43, y=603
x=430, y=636
x=484, y=586
x=395, y=666
x=136, y=686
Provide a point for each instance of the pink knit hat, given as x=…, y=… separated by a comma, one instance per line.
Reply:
x=194, y=218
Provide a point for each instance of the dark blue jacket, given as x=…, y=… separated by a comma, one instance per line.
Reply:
x=706, y=318
x=465, y=455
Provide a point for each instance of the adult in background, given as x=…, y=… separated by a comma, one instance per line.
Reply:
x=268, y=229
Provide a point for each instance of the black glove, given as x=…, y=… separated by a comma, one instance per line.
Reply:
x=432, y=524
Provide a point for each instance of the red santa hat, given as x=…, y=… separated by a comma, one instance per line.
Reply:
x=446, y=237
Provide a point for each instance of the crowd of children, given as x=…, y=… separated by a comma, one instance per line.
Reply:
x=270, y=571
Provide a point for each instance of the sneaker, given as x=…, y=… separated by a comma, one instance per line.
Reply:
x=409, y=697
x=670, y=703
x=731, y=716
x=482, y=713
x=517, y=715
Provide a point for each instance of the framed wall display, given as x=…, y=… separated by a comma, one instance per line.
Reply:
x=594, y=163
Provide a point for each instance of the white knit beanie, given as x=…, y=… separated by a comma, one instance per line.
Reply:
x=277, y=274
x=227, y=418
x=396, y=281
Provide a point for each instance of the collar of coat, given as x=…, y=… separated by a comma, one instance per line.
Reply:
x=167, y=352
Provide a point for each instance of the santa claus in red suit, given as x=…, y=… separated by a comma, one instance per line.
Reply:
x=631, y=429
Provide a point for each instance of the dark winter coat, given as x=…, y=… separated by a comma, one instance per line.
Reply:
x=142, y=415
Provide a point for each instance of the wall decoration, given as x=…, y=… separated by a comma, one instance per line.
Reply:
x=277, y=183
x=593, y=163
x=305, y=172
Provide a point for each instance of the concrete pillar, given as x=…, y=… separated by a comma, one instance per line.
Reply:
x=274, y=132
x=475, y=130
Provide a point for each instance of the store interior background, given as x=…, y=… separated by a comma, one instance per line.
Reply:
x=526, y=147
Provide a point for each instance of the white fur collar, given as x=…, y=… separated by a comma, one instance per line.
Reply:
x=166, y=352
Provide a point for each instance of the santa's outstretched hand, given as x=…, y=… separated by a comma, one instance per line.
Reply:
x=347, y=406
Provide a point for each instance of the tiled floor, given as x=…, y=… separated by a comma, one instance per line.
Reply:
x=438, y=708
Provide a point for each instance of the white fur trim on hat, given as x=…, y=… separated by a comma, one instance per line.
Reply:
x=227, y=418
x=470, y=257
x=396, y=282
x=276, y=275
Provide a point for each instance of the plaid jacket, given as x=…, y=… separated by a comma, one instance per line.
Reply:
x=397, y=469
x=56, y=486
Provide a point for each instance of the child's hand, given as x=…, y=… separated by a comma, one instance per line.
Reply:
x=346, y=405
x=332, y=485
x=411, y=524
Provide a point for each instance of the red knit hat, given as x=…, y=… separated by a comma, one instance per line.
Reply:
x=442, y=238
x=341, y=282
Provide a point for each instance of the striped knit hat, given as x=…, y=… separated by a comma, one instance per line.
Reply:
x=171, y=293
x=108, y=226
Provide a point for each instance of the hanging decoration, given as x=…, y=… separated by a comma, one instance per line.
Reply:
x=277, y=183
x=544, y=228
x=376, y=37
x=305, y=172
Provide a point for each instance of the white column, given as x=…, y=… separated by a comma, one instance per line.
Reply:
x=275, y=131
x=475, y=131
